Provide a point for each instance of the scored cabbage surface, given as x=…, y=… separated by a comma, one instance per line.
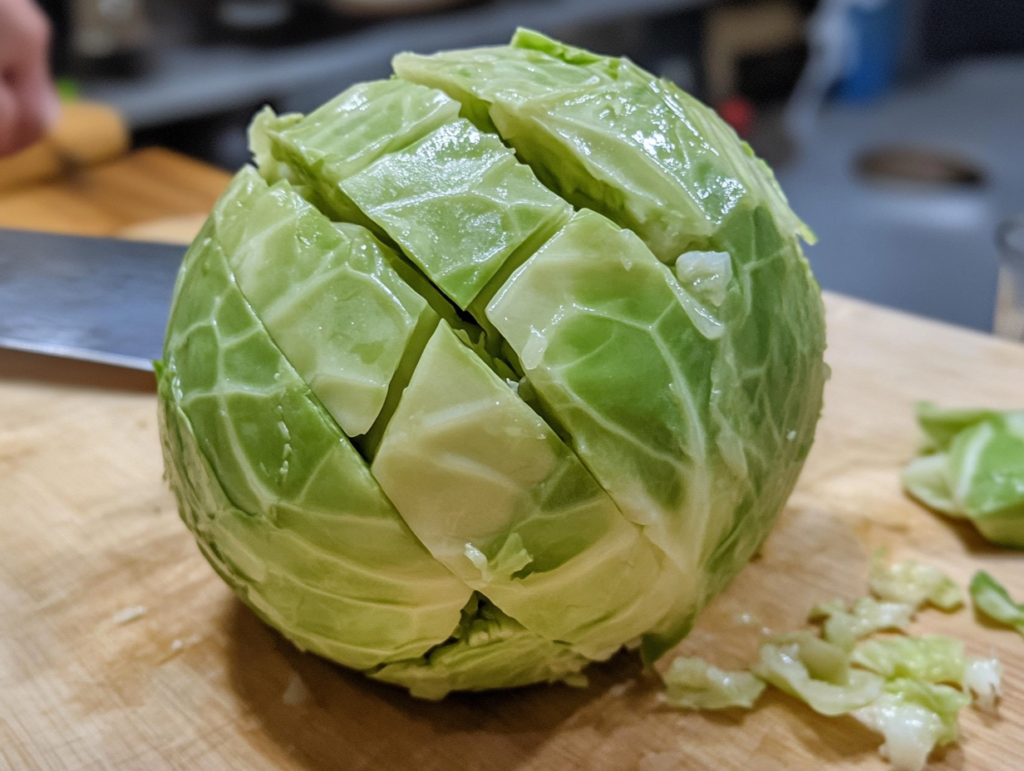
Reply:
x=484, y=371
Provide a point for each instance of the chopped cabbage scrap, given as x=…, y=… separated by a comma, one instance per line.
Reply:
x=983, y=678
x=971, y=465
x=910, y=689
x=785, y=667
x=992, y=599
x=914, y=584
x=844, y=626
x=692, y=683
x=932, y=658
x=914, y=717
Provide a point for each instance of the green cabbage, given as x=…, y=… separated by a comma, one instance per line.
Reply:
x=482, y=372
x=971, y=466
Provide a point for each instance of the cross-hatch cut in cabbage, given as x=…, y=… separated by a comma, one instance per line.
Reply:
x=971, y=466
x=485, y=370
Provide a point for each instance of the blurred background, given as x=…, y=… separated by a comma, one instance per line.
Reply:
x=895, y=126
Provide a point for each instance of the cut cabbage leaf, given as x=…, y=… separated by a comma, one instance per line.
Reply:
x=608, y=136
x=280, y=502
x=459, y=205
x=914, y=717
x=823, y=660
x=913, y=583
x=844, y=626
x=932, y=658
x=692, y=683
x=784, y=667
x=327, y=294
x=526, y=524
x=991, y=598
x=658, y=416
x=318, y=151
x=972, y=466
x=983, y=678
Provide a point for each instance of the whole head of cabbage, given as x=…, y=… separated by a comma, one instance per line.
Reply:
x=483, y=371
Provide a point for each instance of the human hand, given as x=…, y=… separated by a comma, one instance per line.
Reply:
x=28, y=100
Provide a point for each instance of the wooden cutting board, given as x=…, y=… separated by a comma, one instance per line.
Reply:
x=88, y=530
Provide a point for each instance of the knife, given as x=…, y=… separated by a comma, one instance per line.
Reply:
x=98, y=299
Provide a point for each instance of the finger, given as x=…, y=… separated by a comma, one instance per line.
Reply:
x=39, y=106
x=26, y=75
x=8, y=119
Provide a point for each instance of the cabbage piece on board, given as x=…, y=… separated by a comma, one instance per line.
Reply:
x=497, y=497
x=972, y=466
x=278, y=498
x=608, y=136
x=328, y=296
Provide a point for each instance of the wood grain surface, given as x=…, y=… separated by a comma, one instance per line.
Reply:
x=145, y=186
x=89, y=529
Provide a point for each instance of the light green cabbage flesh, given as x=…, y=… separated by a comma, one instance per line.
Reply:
x=914, y=584
x=971, y=466
x=932, y=658
x=914, y=716
x=993, y=600
x=843, y=627
x=692, y=683
x=482, y=372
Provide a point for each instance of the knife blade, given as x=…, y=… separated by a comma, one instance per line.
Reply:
x=99, y=299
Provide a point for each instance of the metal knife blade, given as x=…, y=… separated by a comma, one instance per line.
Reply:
x=99, y=299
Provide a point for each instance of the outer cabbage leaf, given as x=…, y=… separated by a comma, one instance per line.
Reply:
x=327, y=294
x=280, y=501
x=459, y=204
x=608, y=136
x=697, y=440
x=344, y=136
